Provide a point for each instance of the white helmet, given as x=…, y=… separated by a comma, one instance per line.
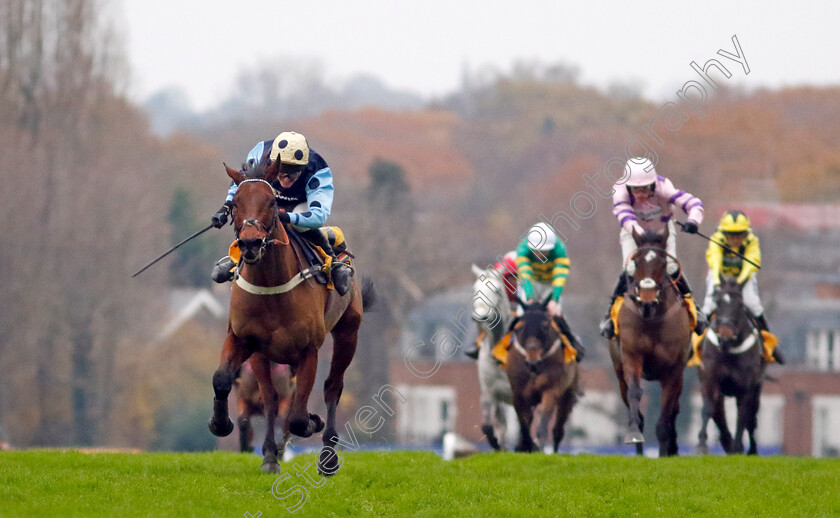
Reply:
x=640, y=172
x=541, y=237
x=291, y=147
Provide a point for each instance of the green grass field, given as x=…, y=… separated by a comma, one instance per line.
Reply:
x=52, y=483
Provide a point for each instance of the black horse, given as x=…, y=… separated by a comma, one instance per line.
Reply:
x=539, y=374
x=733, y=365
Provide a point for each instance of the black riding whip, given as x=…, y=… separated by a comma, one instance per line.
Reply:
x=143, y=269
x=707, y=238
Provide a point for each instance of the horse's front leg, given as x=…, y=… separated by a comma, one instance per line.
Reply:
x=262, y=371
x=549, y=403
x=564, y=408
x=300, y=421
x=666, y=428
x=233, y=355
x=525, y=414
x=633, y=381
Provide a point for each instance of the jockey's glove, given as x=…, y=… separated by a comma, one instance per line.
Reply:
x=283, y=216
x=690, y=227
x=221, y=216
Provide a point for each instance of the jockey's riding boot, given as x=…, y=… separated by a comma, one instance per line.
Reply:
x=606, y=327
x=223, y=271
x=566, y=330
x=685, y=292
x=761, y=322
x=340, y=272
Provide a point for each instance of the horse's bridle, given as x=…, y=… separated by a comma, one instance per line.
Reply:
x=269, y=238
x=635, y=296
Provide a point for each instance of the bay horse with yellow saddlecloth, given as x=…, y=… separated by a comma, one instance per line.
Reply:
x=278, y=311
x=542, y=368
x=654, y=331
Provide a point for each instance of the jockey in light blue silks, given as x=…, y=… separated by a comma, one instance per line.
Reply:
x=303, y=189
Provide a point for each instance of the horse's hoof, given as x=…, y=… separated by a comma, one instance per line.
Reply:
x=702, y=450
x=221, y=430
x=317, y=423
x=270, y=467
x=330, y=466
x=634, y=438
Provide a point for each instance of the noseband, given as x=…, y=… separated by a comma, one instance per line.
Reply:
x=647, y=282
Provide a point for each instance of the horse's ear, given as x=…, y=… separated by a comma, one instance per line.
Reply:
x=235, y=175
x=478, y=272
x=272, y=171
x=544, y=303
x=520, y=302
x=636, y=236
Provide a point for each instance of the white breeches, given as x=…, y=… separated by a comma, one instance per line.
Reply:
x=628, y=246
x=541, y=292
x=750, y=292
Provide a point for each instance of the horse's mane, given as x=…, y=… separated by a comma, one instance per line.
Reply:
x=651, y=238
x=254, y=168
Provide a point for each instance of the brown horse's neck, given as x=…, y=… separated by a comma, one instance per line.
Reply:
x=278, y=264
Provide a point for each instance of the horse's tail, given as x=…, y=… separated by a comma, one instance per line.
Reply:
x=368, y=293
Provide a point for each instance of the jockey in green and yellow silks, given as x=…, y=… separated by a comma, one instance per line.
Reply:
x=543, y=263
x=543, y=267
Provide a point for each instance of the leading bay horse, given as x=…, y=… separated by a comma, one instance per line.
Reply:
x=276, y=312
x=733, y=365
x=654, y=341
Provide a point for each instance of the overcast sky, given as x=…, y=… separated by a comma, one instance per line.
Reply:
x=423, y=46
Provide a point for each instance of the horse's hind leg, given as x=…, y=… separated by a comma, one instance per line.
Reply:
x=262, y=371
x=488, y=408
x=233, y=355
x=666, y=428
x=564, y=408
x=501, y=424
x=345, y=336
x=546, y=412
x=246, y=432
x=702, y=436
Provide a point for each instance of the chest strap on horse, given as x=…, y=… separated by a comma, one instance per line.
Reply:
x=276, y=290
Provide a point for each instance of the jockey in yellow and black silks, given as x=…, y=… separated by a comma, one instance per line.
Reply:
x=734, y=231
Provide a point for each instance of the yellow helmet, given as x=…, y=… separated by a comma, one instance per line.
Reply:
x=734, y=221
x=291, y=147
